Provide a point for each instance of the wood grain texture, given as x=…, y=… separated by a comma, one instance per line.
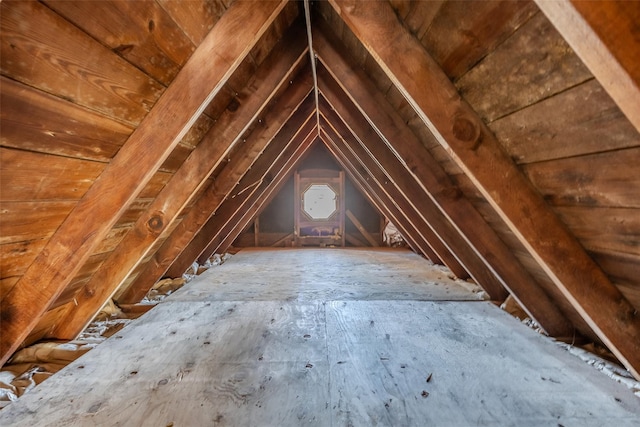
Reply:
x=24, y=178
x=597, y=180
x=195, y=17
x=36, y=121
x=24, y=221
x=379, y=160
x=605, y=36
x=460, y=129
x=281, y=123
x=534, y=64
x=581, y=120
x=363, y=232
x=239, y=163
x=141, y=32
x=254, y=342
x=178, y=191
x=139, y=243
x=605, y=229
x=41, y=49
x=16, y=257
x=463, y=33
x=255, y=203
x=147, y=147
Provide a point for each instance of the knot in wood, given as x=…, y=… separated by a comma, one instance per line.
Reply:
x=155, y=223
x=466, y=130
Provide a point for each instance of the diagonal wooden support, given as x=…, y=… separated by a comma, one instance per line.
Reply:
x=361, y=229
x=229, y=176
x=604, y=35
x=237, y=213
x=203, y=75
x=193, y=173
x=282, y=122
x=419, y=209
x=342, y=81
x=476, y=150
x=252, y=208
x=378, y=197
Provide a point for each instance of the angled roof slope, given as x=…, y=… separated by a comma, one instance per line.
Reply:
x=142, y=137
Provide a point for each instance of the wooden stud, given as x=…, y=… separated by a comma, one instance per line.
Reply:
x=186, y=182
x=118, y=185
x=476, y=150
x=212, y=234
x=602, y=34
x=368, y=148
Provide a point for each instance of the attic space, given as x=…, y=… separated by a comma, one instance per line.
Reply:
x=161, y=147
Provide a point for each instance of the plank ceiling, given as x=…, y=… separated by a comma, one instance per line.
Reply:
x=502, y=140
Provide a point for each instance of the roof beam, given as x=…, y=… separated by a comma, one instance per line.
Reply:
x=476, y=150
x=243, y=216
x=200, y=79
x=439, y=187
x=385, y=203
x=602, y=33
x=272, y=121
x=282, y=123
x=236, y=213
x=230, y=127
x=273, y=73
x=381, y=161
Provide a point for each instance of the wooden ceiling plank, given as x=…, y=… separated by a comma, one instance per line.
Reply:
x=261, y=199
x=388, y=205
x=282, y=123
x=210, y=226
x=476, y=150
x=33, y=120
x=602, y=34
x=439, y=187
x=41, y=49
x=149, y=145
x=424, y=212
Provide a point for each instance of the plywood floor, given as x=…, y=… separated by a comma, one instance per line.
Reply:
x=326, y=338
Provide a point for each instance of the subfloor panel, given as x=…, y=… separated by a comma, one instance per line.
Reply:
x=324, y=362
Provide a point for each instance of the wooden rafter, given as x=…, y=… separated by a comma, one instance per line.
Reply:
x=262, y=198
x=177, y=193
x=348, y=143
x=236, y=213
x=602, y=34
x=277, y=69
x=437, y=185
x=283, y=122
x=476, y=150
x=425, y=213
x=378, y=197
x=201, y=78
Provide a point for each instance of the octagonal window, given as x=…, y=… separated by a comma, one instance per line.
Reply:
x=319, y=201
